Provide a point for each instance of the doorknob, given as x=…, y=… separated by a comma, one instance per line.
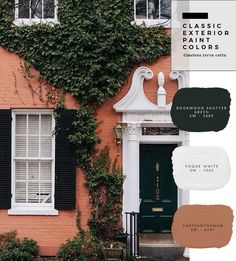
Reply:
x=157, y=167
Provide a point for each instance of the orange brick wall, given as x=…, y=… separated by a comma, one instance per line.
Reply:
x=51, y=231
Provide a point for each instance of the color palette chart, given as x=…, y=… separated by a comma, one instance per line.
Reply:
x=202, y=168
x=225, y=139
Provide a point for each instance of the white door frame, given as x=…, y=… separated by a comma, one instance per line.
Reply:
x=132, y=138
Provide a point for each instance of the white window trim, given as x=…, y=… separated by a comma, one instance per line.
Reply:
x=31, y=208
x=150, y=22
x=24, y=211
x=31, y=21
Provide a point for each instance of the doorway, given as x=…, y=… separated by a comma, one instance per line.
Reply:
x=158, y=191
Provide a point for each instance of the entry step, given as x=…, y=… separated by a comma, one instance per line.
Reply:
x=141, y=258
x=159, y=247
x=157, y=239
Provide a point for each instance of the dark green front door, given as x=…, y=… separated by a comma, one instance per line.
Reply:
x=158, y=192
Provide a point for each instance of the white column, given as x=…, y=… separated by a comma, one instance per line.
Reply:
x=131, y=183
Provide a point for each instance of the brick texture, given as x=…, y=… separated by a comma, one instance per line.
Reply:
x=15, y=92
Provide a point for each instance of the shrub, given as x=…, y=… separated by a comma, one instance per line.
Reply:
x=84, y=247
x=14, y=249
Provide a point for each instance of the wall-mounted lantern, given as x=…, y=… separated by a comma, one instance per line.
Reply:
x=118, y=129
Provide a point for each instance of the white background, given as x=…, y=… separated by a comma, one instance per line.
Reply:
x=220, y=12
x=227, y=140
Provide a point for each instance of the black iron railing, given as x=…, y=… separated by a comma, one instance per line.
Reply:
x=132, y=232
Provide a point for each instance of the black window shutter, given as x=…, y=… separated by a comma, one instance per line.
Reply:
x=65, y=164
x=5, y=159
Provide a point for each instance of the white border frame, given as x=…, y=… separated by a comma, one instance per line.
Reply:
x=31, y=209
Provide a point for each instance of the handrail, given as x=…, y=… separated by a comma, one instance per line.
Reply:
x=132, y=232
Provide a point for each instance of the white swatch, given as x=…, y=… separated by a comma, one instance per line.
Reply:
x=200, y=168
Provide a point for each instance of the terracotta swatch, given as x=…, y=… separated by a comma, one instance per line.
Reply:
x=202, y=226
x=200, y=168
x=201, y=109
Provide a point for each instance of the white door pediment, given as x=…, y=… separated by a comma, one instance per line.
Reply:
x=135, y=99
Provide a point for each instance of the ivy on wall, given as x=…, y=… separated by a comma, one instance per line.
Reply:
x=90, y=52
x=84, y=139
x=104, y=181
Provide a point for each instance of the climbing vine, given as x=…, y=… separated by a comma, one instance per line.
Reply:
x=89, y=52
x=84, y=139
x=105, y=186
x=53, y=95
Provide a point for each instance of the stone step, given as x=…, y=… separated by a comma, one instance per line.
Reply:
x=140, y=258
x=162, y=251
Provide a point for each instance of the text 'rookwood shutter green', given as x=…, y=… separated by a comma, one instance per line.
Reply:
x=65, y=164
x=5, y=159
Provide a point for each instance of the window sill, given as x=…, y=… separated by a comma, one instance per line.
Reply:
x=153, y=22
x=25, y=22
x=20, y=211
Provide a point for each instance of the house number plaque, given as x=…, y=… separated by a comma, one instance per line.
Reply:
x=157, y=182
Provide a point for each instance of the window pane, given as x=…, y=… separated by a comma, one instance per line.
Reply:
x=33, y=170
x=46, y=124
x=141, y=9
x=20, y=192
x=46, y=171
x=33, y=146
x=33, y=190
x=36, y=8
x=153, y=9
x=165, y=9
x=160, y=131
x=46, y=146
x=21, y=124
x=20, y=170
x=33, y=124
x=33, y=179
x=48, y=9
x=24, y=9
x=45, y=192
x=20, y=146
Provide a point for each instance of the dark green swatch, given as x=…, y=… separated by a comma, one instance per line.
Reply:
x=201, y=109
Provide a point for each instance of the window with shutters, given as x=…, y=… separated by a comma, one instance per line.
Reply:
x=33, y=159
x=152, y=12
x=35, y=11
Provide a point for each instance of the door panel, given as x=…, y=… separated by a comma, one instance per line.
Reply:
x=158, y=191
